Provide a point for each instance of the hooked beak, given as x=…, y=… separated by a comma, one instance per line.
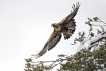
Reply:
x=52, y=25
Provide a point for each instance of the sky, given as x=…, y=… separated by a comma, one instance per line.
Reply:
x=25, y=26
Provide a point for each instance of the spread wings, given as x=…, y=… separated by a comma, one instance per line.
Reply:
x=66, y=26
x=53, y=40
x=71, y=16
x=69, y=22
x=69, y=29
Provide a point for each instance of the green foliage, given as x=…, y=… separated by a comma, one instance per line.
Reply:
x=31, y=66
x=95, y=18
x=98, y=31
x=61, y=55
x=86, y=60
x=91, y=23
x=92, y=34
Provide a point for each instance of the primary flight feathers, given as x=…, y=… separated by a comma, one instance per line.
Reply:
x=65, y=27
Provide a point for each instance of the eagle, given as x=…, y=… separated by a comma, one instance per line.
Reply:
x=66, y=27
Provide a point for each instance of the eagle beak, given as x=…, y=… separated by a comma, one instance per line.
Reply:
x=52, y=25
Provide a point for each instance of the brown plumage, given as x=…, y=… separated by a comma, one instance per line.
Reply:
x=65, y=27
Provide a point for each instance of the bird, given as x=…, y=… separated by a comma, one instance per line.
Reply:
x=66, y=27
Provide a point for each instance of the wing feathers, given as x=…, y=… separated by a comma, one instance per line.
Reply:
x=69, y=22
x=70, y=29
x=53, y=40
x=70, y=17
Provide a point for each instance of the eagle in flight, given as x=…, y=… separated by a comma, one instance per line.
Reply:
x=65, y=27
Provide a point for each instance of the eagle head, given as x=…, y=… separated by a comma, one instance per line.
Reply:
x=56, y=27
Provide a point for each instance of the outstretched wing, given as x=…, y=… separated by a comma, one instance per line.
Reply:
x=53, y=40
x=69, y=23
x=69, y=29
x=70, y=17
